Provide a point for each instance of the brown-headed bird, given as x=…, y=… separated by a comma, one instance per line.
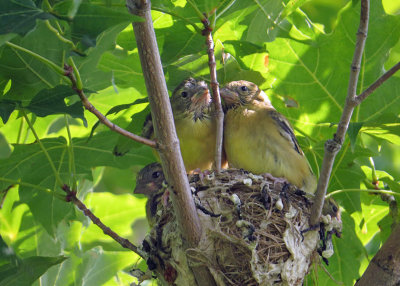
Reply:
x=259, y=139
x=194, y=123
x=150, y=181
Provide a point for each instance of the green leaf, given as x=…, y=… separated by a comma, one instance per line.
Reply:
x=179, y=41
x=6, y=108
x=126, y=69
x=28, y=164
x=92, y=77
x=19, y=16
x=352, y=131
x=324, y=13
x=29, y=75
x=99, y=266
x=264, y=20
x=27, y=270
x=90, y=20
x=5, y=149
x=118, y=211
x=5, y=38
x=124, y=144
x=393, y=185
x=52, y=101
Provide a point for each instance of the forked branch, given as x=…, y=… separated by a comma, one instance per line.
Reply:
x=333, y=146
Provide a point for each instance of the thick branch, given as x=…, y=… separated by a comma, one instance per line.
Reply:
x=71, y=197
x=219, y=114
x=384, y=268
x=164, y=126
x=164, y=129
x=332, y=147
x=377, y=83
x=103, y=119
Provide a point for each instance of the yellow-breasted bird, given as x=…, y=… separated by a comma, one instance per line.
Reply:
x=194, y=123
x=259, y=139
x=150, y=181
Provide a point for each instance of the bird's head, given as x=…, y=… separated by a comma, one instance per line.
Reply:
x=149, y=180
x=191, y=98
x=242, y=92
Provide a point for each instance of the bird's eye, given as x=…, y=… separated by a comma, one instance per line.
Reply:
x=184, y=94
x=155, y=175
x=244, y=88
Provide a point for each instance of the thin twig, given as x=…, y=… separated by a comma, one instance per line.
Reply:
x=125, y=243
x=333, y=146
x=376, y=84
x=103, y=119
x=219, y=114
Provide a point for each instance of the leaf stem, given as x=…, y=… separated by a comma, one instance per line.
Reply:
x=52, y=65
x=225, y=9
x=388, y=192
x=59, y=36
x=46, y=2
x=77, y=75
x=21, y=126
x=56, y=175
x=197, y=10
x=14, y=182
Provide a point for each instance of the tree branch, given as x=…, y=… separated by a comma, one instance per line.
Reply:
x=377, y=84
x=333, y=146
x=384, y=268
x=164, y=129
x=103, y=119
x=164, y=126
x=219, y=114
x=71, y=197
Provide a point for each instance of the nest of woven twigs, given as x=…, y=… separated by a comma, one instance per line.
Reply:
x=255, y=232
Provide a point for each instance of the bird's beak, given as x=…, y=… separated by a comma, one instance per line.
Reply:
x=145, y=189
x=230, y=97
x=201, y=98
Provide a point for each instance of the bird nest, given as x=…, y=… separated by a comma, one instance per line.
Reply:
x=254, y=232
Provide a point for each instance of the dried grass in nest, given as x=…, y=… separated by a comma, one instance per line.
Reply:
x=252, y=232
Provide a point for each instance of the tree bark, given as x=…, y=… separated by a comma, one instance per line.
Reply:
x=164, y=127
x=384, y=268
x=333, y=146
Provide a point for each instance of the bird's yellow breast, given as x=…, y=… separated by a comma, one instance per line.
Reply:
x=197, y=141
x=252, y=141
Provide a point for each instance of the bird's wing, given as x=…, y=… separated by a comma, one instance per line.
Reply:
x=285, y=129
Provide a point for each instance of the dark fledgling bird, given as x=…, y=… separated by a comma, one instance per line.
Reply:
x=150, y=181
x=194, y=123
x=259, y=139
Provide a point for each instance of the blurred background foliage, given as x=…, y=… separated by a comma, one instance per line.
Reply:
x=299, y=52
